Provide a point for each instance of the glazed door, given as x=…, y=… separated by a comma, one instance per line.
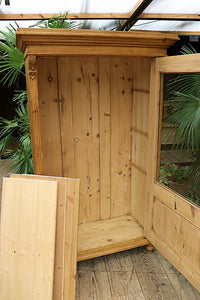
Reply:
x=172, y=223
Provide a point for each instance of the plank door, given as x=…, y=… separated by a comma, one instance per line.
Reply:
x=172, y=224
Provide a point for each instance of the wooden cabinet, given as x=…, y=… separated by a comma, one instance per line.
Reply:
x=93, y=116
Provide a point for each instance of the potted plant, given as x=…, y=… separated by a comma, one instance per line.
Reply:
x=175, y=177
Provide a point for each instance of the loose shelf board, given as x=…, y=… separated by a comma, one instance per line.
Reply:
x=66, y=234
x=27, y=246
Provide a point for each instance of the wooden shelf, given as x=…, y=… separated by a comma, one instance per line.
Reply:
x=109, y=236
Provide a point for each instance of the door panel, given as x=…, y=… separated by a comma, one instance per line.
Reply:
x=172, y=224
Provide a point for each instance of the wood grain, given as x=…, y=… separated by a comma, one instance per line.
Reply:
x=140, y=131
x=121, y=112
x=105, y=135
x=84, y=73
x=28, y=225
x=109, y=236
x=66, y=234
x=50, y=116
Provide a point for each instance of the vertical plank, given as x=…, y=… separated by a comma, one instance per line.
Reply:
x=66, y=115
x=84, y=72
x=140, y=123
x=27, y=244
x=105, y=124
x=71, y=238
x=66, y=234
x=50, y=116
x=121, y=122
x=34, y=113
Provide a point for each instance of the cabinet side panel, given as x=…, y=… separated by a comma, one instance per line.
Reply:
x=34, y=112
x=50, y=116
x=141, y=82
x=121, y=122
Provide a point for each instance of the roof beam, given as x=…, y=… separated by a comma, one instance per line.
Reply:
x=170, y=17
x=134, y=14
x=78, y=16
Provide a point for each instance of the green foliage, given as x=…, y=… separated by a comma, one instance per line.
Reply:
x=57, y=22
x=11, y=58
x=17, y=131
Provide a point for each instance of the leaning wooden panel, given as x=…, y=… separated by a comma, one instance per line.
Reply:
x=66, y=234
x=28, y=224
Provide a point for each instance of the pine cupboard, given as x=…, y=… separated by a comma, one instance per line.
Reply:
x=94, y=105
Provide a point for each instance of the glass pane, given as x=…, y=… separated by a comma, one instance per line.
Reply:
x=179, y=161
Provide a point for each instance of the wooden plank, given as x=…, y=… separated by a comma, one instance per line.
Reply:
x=177, y=203
x=50, y=116
x=28, y=225
x=84, y=73
x=109, y=236
x=155, y=284
x=34, y=113
x=139, y=190
x=163, y=16
x=174, y=64
x=121, y=113
x=74, y=16
x=66, y=116
x=121, y=271
x=140, y=134
x=105, y=135
x=93, y=280
x=62, y=50
x=66, y=235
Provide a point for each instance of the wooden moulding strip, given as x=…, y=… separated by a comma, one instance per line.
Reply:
x=140, y=131
x=66, y=234
x=138, y=168
x=28, y=225
x=109, y=236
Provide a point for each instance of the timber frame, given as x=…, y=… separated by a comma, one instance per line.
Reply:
x=128, y=19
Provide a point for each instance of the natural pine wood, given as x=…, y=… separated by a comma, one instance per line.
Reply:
x=121, y=111
x=59, y=42
x=163, y=16
x=66, y=234
x=140, y=134
x=34, y=113
x=109, y=236
x=50, y=116
x=66, y=239
x=174, y=232
x=28, y=224
x=105, y=135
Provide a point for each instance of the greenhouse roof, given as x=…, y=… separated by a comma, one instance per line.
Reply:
x=157, y=15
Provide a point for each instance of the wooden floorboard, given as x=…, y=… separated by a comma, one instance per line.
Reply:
x=134, y=272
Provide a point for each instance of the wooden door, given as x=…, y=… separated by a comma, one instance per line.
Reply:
x=172, y=224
